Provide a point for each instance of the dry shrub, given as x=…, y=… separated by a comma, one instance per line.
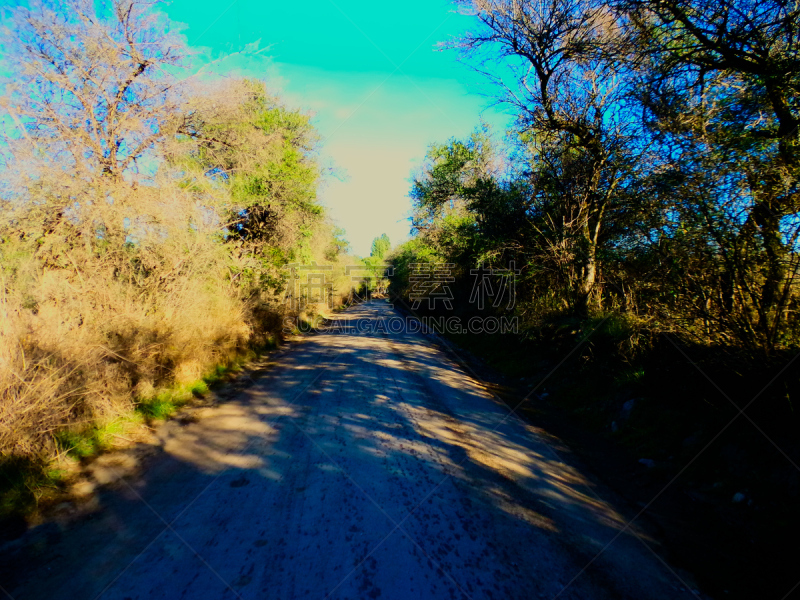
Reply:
x=128, y=270
x=123, y=296
x=38, y=390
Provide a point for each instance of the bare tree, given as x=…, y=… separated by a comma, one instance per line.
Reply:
x=92, y=84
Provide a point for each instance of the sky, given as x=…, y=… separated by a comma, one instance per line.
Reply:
x=371, y=74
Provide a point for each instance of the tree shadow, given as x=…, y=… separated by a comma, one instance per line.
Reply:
x=365, y=466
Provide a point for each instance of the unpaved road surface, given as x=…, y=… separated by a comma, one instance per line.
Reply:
x=366, y=465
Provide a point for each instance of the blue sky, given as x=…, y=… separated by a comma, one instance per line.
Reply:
x=370, y=72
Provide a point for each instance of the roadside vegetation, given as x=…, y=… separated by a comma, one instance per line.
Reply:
x=641, y=221
x=647, y=196
x=147, y=219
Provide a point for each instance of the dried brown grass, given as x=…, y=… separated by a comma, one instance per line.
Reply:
x=101, y=309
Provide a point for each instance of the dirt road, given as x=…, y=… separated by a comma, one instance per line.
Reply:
x=365, y=465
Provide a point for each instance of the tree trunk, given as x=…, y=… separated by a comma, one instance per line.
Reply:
x=768, y=222
x=587, y=300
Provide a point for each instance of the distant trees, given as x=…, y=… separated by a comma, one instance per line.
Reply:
x=375, y=265
x=380, y=246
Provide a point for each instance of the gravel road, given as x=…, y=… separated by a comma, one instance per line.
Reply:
x=366, y=464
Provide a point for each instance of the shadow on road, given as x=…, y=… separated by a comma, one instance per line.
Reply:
x=366, y=465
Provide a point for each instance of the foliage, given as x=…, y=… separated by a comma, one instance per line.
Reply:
x=380, y=246
x=652, y=170
x=147, y=220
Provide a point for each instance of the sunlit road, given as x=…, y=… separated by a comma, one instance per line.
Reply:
x=365, y=465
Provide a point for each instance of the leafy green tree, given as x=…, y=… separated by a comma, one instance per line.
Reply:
x=339, y=245
x=244, y=141
x=569, y=90
x=380, y=246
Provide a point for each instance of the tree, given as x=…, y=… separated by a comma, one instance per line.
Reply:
x=243, y=140
x=92, y=85
x=719, y=83
x=380, y=246
x=466, y=207
x=144, y=219
x=569, y=90
x=339, y=246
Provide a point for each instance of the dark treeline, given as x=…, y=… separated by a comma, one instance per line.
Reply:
x=652, y=170
x=647, y=194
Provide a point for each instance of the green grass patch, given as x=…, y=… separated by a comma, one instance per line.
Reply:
x=629, y=376
x=80, y=444
x=164, y=403
x=305, y=326
x=91, y=441
x=222, y=372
